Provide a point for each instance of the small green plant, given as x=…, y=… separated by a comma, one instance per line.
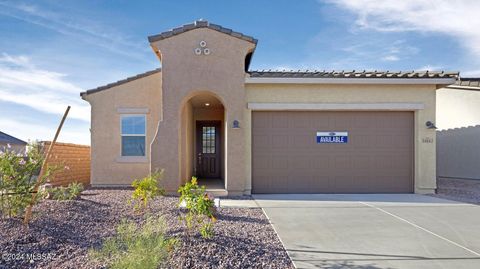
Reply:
x=137, y=246
x=18, y=176
x=206, y=229
x=71, y=192
x=75, y=189
x=200, y=208
x=146, y=189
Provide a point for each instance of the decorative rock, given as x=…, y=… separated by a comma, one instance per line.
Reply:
x=65, y=231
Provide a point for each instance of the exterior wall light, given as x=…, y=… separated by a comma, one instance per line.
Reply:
x=430, y=125
x=236, y=124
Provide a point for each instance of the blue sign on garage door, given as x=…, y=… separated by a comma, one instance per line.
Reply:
x=332, y=137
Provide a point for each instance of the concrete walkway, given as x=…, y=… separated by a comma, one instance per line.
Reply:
x=238, y=203
x=375, y=231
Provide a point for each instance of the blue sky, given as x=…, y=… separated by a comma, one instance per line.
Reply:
x=52, y=50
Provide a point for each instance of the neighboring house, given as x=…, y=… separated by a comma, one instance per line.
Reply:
x=206, y=114
x=11, y=143
x=458, y=105
x=458, y=138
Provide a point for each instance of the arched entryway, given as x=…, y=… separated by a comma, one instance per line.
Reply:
x=203, y=140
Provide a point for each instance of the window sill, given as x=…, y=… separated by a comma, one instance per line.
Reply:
x=132, y=159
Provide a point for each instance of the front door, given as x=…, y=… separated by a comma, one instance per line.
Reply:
x=208, y=149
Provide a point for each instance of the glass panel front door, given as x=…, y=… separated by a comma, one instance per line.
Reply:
x=208, y=149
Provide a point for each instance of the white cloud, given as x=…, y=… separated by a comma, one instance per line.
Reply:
x=471, y=73
x=390, y=58
x=83, y=29
x=21, y=82
x=459, y=19
x=24, y=131
x=430, y=67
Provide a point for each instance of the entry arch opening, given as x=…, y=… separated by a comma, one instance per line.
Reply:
x=203, y=140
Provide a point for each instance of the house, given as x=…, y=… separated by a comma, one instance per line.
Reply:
x=11, y=143
x=458, y=105
x=205, y=113
x=458, y=137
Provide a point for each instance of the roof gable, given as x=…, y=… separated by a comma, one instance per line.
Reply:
x=200, y=24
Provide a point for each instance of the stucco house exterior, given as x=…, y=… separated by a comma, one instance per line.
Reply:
x=10, y=143
x=205, y=113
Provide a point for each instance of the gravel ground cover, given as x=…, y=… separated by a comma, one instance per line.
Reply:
x=462, y=190
x=62, y=232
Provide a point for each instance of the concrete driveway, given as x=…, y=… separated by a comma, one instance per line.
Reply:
x=375, y=230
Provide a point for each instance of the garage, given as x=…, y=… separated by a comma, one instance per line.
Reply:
x=375, y=154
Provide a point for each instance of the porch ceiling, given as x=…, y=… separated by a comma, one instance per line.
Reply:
x=200, y=101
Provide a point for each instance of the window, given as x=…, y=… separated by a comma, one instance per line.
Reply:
x=133, y=135
x=208, y=138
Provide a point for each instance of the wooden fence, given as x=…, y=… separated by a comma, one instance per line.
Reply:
x=74, y=163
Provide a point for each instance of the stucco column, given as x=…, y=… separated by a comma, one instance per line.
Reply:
x=235, y=157
x=165, y=150
x=247, y=130
x=425, y=157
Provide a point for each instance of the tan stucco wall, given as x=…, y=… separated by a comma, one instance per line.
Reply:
x=185, y=75
x=425, y=177
x=107, y=167
x=186, y=144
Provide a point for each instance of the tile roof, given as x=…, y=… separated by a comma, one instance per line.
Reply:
x=471, y=82
x=5, y=138
x=123, y=81
x=468, y=82
x=201, y=24
x=351, y=74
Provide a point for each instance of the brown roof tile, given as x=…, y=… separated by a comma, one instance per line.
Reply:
x=201, y=24
x=351, y=74
x=471, y=82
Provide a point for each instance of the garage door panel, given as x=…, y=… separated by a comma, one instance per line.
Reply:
x=261, y=141
x=279, y=120
x=322, y=163
x=300, y=141
x=298, y=162
x=263, y=161
x=279, y=141
x=343, y=184
x=280, y=162
x=377, y=158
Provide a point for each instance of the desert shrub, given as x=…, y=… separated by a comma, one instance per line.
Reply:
x=18, y=176
x=71, y=192
x=200, y=208
x=146, y=189
x=137, y=246
x=75, y=189
x=206, y=229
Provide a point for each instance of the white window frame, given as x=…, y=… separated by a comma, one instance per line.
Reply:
x=122, y=135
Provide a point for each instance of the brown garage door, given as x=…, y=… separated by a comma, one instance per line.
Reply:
x=378, y=157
